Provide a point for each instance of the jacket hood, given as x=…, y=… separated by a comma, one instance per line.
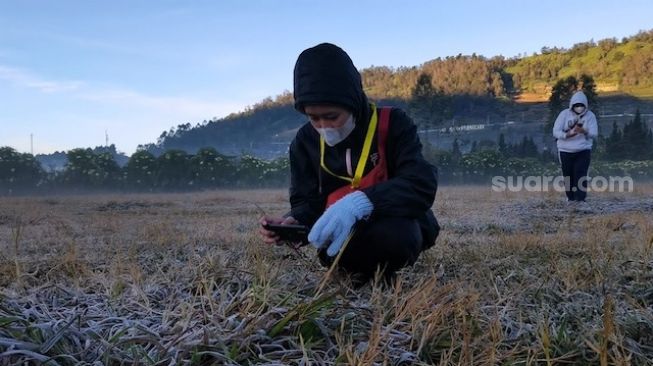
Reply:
x=325, y=74
x=578, y=97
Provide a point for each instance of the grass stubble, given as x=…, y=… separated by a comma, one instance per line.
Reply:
x=166, y=279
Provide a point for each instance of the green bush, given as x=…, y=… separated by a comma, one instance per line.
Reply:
x=636, y=169
x=482, y=164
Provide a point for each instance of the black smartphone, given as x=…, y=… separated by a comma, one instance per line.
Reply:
x=291, y=233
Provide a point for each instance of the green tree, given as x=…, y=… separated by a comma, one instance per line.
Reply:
x=474, y=147
x=456, y=154
x=208, y=168
x=82, y=170
x=527, y=148
x=614, y=148
x=503, y=148
x=443, y=161
x=18, y=172
x=141, y=171
x=173, y=170
x=636, y=141
x=108, y=169
x=650, y=143
x=428, y=105
x=251, y=171
x=277, y=172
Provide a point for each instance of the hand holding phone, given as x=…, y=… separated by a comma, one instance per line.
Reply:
x=578, y=129
x=291, y=233
x=279, y=230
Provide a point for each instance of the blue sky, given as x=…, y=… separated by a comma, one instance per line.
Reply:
x=71, y=70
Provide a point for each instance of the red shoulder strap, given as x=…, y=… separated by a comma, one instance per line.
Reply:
x=384, y=124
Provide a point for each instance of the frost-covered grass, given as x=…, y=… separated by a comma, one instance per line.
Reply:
x=515, y=278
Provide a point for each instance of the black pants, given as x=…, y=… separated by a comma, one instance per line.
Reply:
x=574, y=169
x=388, y=243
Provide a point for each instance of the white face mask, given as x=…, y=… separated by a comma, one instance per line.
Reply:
x=333, y=136
x=579, y=109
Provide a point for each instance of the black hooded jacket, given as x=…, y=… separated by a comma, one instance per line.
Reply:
x=325, y=74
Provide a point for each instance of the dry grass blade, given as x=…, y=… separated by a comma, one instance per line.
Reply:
x=333, y=266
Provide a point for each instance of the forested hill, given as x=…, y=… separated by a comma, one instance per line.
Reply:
x=465, y=88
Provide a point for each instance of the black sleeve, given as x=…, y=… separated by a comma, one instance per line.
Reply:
x=306, y=201
x=412, y=181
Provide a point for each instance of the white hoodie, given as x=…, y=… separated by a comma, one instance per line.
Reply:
x=566, y=121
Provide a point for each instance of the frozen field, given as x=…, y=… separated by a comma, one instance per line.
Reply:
x=515, y=278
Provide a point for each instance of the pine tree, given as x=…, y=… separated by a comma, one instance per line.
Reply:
x=503, y=148
x=529, y=148
x=455, y=151
x=635, y=139
x=613, y=148
x=474, y=147
x=428, y=105
x=650, y=144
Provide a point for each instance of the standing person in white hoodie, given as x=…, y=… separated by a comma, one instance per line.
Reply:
x=575, y=128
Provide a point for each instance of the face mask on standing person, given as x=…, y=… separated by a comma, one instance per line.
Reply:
x=579, y=109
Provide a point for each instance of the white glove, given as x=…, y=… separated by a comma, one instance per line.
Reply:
x=336, y=222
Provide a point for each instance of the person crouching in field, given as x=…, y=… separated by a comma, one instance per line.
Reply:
x=575, y=128
x=356, y=169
